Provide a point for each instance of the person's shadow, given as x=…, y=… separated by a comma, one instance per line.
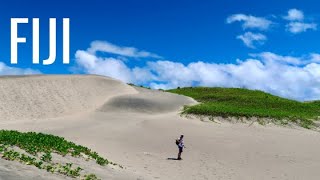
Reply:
x=173, y=159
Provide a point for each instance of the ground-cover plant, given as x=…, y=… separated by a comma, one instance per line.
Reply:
x=90, y=177
x=39, y=147
x=34, y=143
x=67, y=169
x=46, y=157
x=237, y=102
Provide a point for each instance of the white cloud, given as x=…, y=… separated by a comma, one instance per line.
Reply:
x=299, y=27
x=112, y=67
x=8, y=70
x=251, y=39
x=107, y=47
x=270, y=57
x=296, y=22
x=294, y=15
x=250, y=22
x=287, y=76
x=315, y=57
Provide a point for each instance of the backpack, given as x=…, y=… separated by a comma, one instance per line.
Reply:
x=177, y=142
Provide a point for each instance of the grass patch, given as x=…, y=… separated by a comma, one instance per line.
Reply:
x=39, y=148
x=237, y=102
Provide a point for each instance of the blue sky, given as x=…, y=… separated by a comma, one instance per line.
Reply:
x=268, y=45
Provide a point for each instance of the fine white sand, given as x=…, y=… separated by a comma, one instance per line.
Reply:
x=137, y=128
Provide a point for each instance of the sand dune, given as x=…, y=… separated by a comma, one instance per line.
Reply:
x=136, y=128
x=36, y=97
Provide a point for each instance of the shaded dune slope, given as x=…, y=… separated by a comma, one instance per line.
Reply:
x=147, y=101
x=42, y=96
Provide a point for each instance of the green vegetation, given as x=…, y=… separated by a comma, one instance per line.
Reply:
x=39, y=148
x=236, y=102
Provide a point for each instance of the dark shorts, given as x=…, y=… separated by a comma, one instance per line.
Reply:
x=180, y=149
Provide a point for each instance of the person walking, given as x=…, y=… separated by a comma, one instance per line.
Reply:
x=180, y=143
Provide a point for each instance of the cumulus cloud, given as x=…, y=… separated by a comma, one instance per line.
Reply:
x=315, y=57
x=112, y=67
x=294, y=15
x=251, y=39
x=250, y=22
x=299, y=27
x=268, y=56
x=107, y=47
x=8, y=70
x=286, y=76
x=274, y=76
x=296, y=22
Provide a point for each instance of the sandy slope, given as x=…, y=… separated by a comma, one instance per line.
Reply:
x=36, y=97
x=137, y=127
